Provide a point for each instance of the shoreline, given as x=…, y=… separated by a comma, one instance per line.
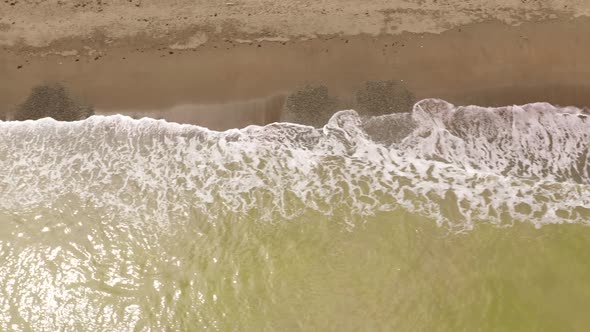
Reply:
x=485, y=64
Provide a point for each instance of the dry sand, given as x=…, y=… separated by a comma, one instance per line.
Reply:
x=227, y=64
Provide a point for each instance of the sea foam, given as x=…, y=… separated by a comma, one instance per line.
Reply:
x=457, y=165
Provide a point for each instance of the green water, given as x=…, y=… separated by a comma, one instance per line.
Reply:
x=390, y=272
x=444, y=219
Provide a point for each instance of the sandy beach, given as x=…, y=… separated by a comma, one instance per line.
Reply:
x=232, y=64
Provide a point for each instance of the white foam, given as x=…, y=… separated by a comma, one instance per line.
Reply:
x=458, y=165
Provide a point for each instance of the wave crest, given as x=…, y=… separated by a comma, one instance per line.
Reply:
x=457, y=165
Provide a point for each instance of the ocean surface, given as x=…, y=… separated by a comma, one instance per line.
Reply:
x=443, y=219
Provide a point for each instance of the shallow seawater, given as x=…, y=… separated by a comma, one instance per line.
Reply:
x=443, y=219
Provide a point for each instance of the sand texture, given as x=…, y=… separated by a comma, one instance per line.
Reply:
x=189, y=23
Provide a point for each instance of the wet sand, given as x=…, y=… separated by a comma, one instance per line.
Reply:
x=225, y=84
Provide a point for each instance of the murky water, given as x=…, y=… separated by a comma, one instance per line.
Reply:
x=444, y=219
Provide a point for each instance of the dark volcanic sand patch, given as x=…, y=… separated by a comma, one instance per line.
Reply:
x=52, y=100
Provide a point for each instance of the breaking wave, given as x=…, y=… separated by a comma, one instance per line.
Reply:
x=457, y=165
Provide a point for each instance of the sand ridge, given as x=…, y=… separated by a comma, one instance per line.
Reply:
x=34, y=25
